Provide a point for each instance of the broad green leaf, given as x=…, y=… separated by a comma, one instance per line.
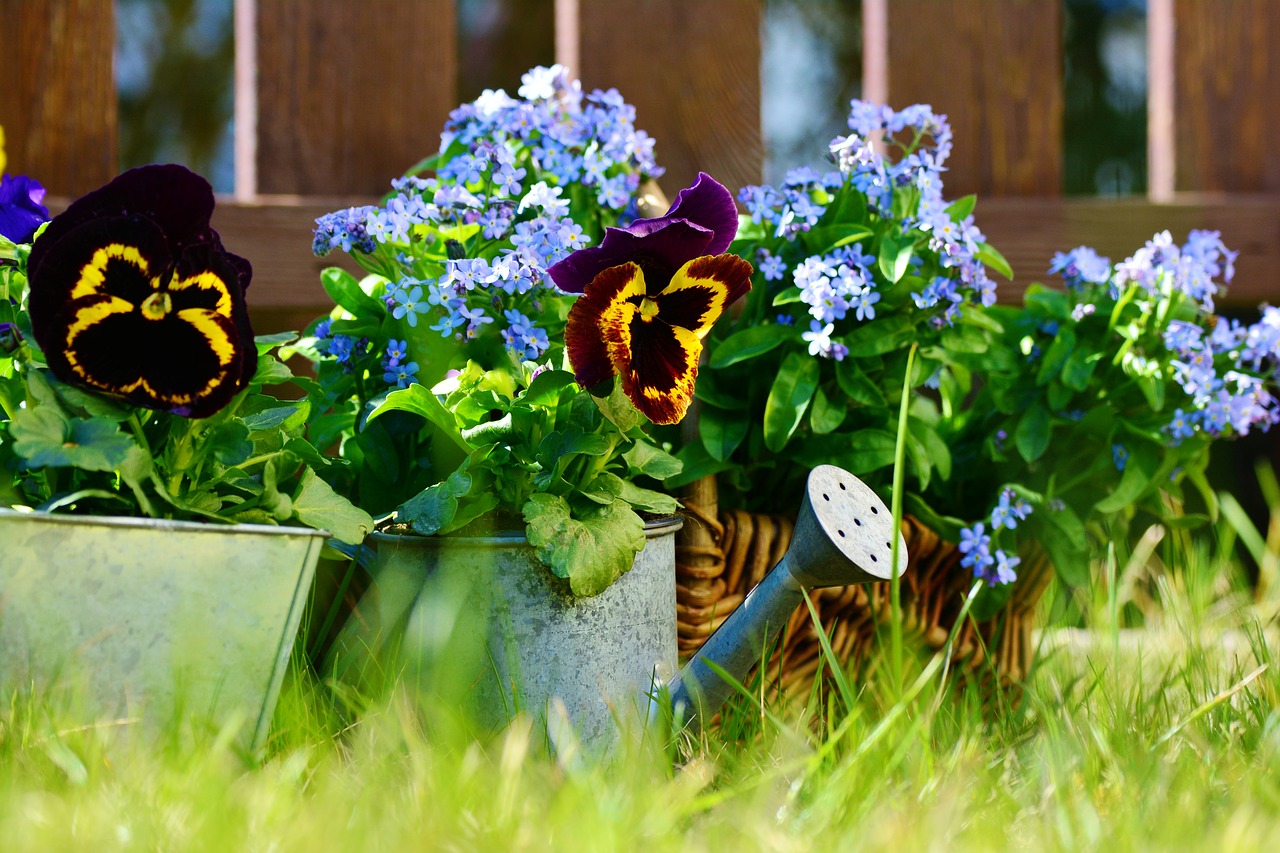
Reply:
x=44, y=438
x=1139, y=468
x=789, y=397
x=992, y=258
x=826, y=415
x=722, y=431
x=1078, y=369
x=619, y=410
x=1031, y=436
x=469, y=510
x=695, y=464
x=748, y=343
x=1062, y=534
x=788, y=295
x=317, y=505
x=271, y=371
x=559, y=448
x=648, y=499
x=895, y=256
x=592, y=551
x=960, y=209
x=1064, y=344
x=273, y=418
x=857, y=385
x=547, y=388
x=419, y=400
x=345, y=291
x=644, y=458
x=880, y=336
x=434, y=508
x=869, y=450
x=933, y=445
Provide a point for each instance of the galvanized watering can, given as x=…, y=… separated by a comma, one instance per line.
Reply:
x=589, y=658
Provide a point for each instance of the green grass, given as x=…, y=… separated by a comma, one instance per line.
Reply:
x=1121, y=740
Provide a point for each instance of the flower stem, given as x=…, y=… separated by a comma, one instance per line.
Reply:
x=895, y=583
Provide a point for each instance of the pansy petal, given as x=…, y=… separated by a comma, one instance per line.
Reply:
x=660, y=252
x=658, y=366
x=169, y=194
x=709, y=204
x=701, y=290
x=117, y=256
x=603, y=312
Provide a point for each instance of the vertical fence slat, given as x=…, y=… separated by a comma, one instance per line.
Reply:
x=350, y=94
x=1227, y=95
x=995, y=68
x=57, y=92
x=692, y=70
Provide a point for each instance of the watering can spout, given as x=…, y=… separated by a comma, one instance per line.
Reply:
x=843, y=535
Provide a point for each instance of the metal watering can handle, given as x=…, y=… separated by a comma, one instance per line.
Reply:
x=844, y=534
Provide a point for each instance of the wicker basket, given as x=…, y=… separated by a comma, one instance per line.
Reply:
x=722, y=555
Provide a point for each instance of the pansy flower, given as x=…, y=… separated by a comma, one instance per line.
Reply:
x=132, y=295
x=22, y=208
x=650, y=293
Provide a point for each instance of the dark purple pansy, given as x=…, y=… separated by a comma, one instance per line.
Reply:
x=22, y=208
x=650, y=294
x=702, y=221
x=131, y=294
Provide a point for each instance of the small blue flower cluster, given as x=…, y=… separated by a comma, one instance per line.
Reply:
x=994, y=567
x=344, y=349
x=1208, y=366
x=499, y=204
x=842, y=281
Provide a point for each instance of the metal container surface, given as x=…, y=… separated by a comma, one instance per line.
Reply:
x=146, y=617
x=482, y=617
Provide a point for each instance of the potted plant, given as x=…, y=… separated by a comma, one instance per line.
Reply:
x=498, y=419
x=1100, y=405
x=869, y=286
x=166, y=510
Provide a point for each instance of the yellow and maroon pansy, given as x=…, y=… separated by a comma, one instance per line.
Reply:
x=650, y=293
x=651, y=341
x=132, y=295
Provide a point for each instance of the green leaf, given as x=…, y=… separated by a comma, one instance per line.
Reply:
x=789, y=397
x=788, y=295
x=272, y=418
x=592, y=551
x=644, y=458
x=880, y=336
x=895, y=256
x=1079, y=368
x=648, y=499
x=560, y=447
x=94, y=405
x=722, y=431
x=1139, y=468
x=229, y=443
x=1031, y=436
x=748, y=343
x=1062, y=534
x=824, y=238
x=992, y=258
x=44, y=438
x=345, y=291
x=960, y=209
x=317, y=505
x=419, y=400
x=869, y=450
x=855, y=383
x=933, y=445
x=1064, y=344
x=547, y=388
x=696, y=463
x=619, y=410
x=271, y=371
x=827, y=415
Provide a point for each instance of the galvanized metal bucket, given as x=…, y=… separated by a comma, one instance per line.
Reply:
x=143, y=618
x=482, y=621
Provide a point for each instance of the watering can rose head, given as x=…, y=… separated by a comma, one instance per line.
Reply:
x=650, y=293
x=133, y=296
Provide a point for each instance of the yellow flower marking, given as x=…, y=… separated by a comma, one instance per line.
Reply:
x=207, y=281
x=94, y=273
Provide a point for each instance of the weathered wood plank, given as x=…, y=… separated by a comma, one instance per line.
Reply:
x=57, y=92
x=692, y=70
x=995, y=68
x=1227, y=91
x=350, y=95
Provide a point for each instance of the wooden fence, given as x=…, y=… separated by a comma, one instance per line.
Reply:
x=336, y=97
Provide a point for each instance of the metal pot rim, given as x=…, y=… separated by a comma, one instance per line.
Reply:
x=161, y=524
x=652, y=530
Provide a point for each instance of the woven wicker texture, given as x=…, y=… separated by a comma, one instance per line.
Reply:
x=717, y=565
